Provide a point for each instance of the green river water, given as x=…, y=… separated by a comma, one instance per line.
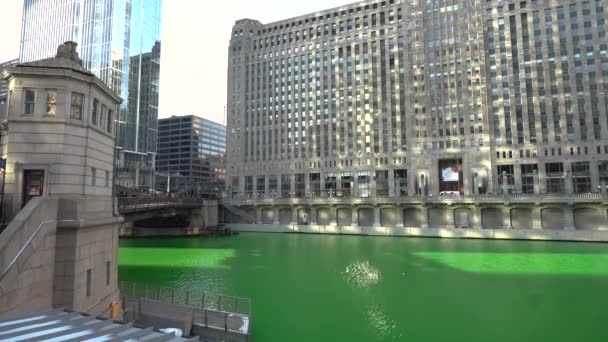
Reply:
x=318, y=288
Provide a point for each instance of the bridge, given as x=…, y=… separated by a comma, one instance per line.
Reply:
x=132, y=205
x=166, y=216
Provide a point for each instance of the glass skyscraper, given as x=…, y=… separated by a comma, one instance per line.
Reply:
x=118, y=40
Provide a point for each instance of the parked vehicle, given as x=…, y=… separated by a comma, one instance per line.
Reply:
x=449, y=194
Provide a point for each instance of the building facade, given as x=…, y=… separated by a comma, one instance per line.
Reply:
x=119, y=41
x=191, y=151
x=4, y=87
x=57, y=199
x=400, y=98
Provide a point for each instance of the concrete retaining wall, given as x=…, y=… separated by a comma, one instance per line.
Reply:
x=508, y=234
x=28, y=285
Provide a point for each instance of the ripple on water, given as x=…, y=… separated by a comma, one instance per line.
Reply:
x=385, y=327
x=362, y=274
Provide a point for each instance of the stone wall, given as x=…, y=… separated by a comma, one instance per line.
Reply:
x=586, y=221
x=85, y=252
x=464, y=233
x=87, y=255
x=27, y=286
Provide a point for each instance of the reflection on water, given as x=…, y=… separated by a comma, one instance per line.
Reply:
x=384, y=326
x=522, y=263
x=361, y=275
x=373, y=289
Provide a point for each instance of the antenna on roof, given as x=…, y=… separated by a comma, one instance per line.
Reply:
x=224, y=122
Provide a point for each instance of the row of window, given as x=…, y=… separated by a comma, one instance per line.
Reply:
x=101, y=115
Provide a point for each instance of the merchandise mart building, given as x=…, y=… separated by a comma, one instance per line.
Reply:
x=401, y=98
x=119, y=41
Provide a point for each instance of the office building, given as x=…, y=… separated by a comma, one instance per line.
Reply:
x=119, y=41
x=401, y=98
x=191, y=151
x=4, y=87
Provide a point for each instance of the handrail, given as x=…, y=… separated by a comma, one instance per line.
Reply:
x=519, y=197
x=27, y=243
x=239, y=212
x=202, y=299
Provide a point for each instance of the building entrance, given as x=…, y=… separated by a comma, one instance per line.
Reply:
x=450, y=175
x=33, y=181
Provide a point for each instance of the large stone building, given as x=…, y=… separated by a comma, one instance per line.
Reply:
x=119, y=41
x=414, y=97
x=194, y=148
x=61, y=243
x=392, y=98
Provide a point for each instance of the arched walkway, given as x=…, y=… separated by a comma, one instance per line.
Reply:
x=389, y=217
x=303, y=216
x=552, y=218
x=323, y=216
x=491, y=218
x=589, y=219
x=267, y=216
x=344, y=216
x=440, y=217
x=366, y=216
x=285, y=216
x=522, y=218
x=412, y=217
x=463, y=218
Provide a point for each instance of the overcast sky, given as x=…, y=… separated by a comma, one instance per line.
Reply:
x=194, y=46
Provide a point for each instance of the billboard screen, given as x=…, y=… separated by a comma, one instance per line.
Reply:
x=449, y=174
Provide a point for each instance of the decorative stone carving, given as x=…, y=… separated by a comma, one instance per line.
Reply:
x=68, y=50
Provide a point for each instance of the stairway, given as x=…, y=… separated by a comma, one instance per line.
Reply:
x=239, y=212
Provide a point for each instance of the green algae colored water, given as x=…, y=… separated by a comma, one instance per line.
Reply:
x=317, y=288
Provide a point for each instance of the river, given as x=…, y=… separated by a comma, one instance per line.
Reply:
x=366, y=289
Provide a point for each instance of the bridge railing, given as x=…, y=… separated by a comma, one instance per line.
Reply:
x=143, y=203
x=483, y=198
x=229, y=313
x=198, y=299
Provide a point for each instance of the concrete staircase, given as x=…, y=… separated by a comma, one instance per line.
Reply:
x=239, y=212
x=27, y=259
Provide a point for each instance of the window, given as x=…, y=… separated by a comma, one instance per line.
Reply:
x=76, y=108
x=102, y=115
x=51, y=103
x=10, y=100
x=107, y=179
x=88, y=282
x=554, y=175
x=93, y=176
x=581, y=177
x=30, y=98
x=529, y=173
x=95, y=113
x=108, y=273
x=109, y=121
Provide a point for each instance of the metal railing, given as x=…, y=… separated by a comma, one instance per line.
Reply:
x=239, y=212
x=195, y=299
x=514, y=197
x=28, y=242
x=226, y=313
x=145, y=203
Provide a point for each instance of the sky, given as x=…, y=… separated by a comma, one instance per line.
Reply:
x=195, y=37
